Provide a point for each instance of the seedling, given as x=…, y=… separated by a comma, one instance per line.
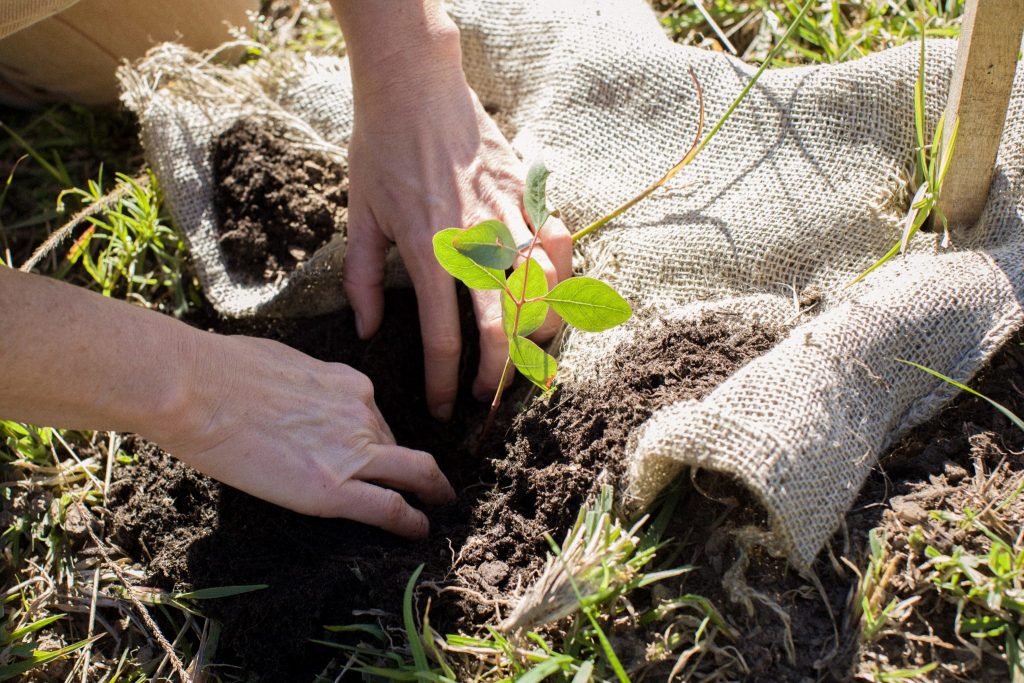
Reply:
x=481, y=256
x=932, y=166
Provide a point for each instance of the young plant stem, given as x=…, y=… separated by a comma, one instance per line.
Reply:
x=698, y=144
x=495, y=404
x=519, y=303
x=687, y=158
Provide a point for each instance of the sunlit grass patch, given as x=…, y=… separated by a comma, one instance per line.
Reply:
x=831, y=32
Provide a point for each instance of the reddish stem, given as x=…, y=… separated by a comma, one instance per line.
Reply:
x=519, y=303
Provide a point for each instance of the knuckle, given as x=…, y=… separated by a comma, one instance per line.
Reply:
x=362, y=387
x=393, y=507
x=444, y=346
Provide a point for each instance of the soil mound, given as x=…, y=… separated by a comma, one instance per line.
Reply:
x=276, y=203
x=191, y=532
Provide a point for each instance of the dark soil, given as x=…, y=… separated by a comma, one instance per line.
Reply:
x=276, y=203
x=192, y=532
x=564, y=448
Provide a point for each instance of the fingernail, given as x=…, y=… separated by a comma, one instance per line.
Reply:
x=444, y=411
x=360, y=329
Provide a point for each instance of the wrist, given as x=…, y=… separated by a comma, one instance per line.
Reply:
x=399, y=49
x=183, y=405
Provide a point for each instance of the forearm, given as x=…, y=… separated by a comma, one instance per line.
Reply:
x=75, y=359
x=399, y=48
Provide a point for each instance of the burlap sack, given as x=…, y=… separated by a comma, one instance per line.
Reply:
x=804, y=189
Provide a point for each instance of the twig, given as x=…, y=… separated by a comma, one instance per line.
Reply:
x=143, y=612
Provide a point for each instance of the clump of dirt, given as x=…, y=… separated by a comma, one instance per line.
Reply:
x=564, y=448
x=276, y=203
x=192, y=532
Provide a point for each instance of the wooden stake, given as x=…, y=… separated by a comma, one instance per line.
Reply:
x=986, y=60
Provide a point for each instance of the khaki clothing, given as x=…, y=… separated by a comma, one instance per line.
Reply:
x=59, y=50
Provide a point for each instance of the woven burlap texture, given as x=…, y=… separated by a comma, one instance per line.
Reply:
x=804, y=188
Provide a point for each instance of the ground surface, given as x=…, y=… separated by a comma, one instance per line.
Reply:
x=192, y=532
x=85, y=516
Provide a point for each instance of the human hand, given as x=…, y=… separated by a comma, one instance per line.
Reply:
x=425, y=156
x=300, y=433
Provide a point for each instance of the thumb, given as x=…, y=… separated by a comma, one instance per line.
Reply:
x=363, y=270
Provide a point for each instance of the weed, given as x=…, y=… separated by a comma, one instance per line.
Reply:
x=130, y=249
x=832, y=31
x=44, y=152
x=872, y=588
x=969, y=555
x=930, y=172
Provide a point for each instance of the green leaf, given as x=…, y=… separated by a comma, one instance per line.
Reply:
x=1010, y=415
x=463, y=268
x=531, y=360
x=588, y=304
x=40, y=657
x=876, y=265
x=419, y=656
x=31, y=628
x=221, y=592
x=369, y=629
x=544, y=670
x=525, y=283
x=535, y=195
x=585, y=673
x=489, y=244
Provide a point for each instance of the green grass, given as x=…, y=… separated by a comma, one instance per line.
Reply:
x=961, y=572
x=831, y=32
x=932, y=164
x=563, y=628
x=130, y=250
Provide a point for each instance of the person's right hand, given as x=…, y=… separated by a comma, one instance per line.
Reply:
x=301, y=433
x=425, y=156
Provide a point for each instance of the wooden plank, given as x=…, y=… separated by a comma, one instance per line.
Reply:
x=986, y=60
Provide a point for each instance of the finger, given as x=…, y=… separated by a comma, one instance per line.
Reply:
x=380, y=507
x=556, y=240
x=522, y=235
x=493, y=343
x=487, y=307
x=382, y=425
x=408, y=470
x=439, y=327
x=363, y=271
x=556, y=243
